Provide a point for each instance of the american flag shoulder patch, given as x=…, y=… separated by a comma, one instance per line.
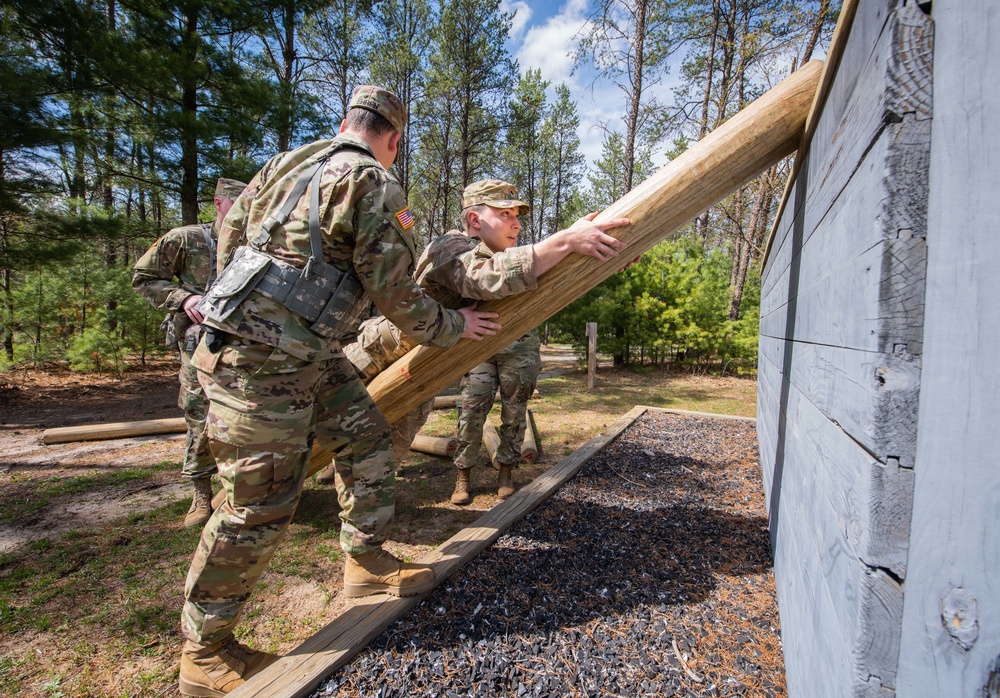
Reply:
x=405, y=218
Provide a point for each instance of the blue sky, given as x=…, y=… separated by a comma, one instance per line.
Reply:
x=542, y=36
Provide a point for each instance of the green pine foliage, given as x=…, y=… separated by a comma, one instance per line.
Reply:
x=119, y=116
x=670, y=309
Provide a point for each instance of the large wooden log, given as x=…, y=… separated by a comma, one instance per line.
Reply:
x=761, y=134
x=114, y=430
x=443, y=446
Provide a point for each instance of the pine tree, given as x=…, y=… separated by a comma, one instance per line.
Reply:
x=525, y=156
x=468, y=87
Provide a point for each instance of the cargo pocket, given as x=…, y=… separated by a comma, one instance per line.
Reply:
x=203, y=359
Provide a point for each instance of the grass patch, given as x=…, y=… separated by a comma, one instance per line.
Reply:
x=30, y=497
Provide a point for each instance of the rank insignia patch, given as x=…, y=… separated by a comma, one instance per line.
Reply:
x=405, y=218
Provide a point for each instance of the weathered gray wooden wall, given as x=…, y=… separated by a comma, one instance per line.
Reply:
x=841, y=348
x=951, y=608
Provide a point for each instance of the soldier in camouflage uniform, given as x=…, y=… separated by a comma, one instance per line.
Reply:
x=478, y=263
x=321, y=233
x=172, y=276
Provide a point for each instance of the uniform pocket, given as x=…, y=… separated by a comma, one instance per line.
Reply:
x=203, y=359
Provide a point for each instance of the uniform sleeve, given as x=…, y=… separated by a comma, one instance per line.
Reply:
x=383, y=258
x=155, y=274
x=480, y=275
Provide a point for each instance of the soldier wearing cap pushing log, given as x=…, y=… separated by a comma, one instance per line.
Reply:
x=172, y=276
x=480, y=262
x=320, y=234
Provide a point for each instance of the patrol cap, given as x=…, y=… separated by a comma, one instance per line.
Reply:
x=382, y=102
x=495, y=193
x=230, y=188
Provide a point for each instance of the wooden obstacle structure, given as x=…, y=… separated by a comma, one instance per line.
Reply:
x=761, y=134
x=877, y=389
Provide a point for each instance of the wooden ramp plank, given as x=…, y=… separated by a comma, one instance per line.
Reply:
x=301, y=670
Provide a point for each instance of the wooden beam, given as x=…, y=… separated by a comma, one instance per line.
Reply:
x=491, y=441
x=301, y=670
x=764, y=132
x=114, y=430
x=445, y=401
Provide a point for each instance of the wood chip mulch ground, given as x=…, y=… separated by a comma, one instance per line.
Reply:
x=648, y=574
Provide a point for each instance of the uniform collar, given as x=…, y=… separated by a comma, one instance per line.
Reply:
x=354, y=141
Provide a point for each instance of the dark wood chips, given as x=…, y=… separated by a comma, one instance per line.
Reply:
x=648, y=574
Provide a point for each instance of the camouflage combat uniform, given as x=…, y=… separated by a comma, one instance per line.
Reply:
x=515, y=371
x=455, y=270
x=176, y=267
x=276, y=384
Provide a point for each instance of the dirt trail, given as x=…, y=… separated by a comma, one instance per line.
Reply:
x=35, y=401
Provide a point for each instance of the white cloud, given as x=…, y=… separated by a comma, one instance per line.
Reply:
x=522, y=15
x=549, y=46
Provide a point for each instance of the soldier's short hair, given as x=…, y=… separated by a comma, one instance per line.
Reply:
x=368, y=122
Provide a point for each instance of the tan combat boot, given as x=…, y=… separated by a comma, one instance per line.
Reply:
x=328, y=475
x=209, y=670
x=462, y=486
x=201, y=504
x=380, y=572
x=505, y=482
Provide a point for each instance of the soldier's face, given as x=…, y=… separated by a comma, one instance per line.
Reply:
x=222, y=206
x=498, y=227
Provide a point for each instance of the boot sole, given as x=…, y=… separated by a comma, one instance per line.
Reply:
x=197, y=690
x=354, y=590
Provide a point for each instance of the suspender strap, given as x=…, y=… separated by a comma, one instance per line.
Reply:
x=289, y=203
x=315, y=241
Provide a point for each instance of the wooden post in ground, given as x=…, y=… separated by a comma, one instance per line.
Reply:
x=591, y=355
x=758, y=136
x=529, y=449
x=491, y=440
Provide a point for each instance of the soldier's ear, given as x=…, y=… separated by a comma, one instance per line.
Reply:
x=473, y=218
x=343, y=125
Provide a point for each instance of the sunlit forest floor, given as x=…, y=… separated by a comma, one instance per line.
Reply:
x=93, y=557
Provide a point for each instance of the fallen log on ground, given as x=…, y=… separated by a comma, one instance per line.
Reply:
x=443, y=446
x=114, y=430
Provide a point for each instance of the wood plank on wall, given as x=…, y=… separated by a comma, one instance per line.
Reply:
x=951, y=615
x=833, y=528
x=841, y=132
x=870, y=395
x=882, y=90
x=868, y=500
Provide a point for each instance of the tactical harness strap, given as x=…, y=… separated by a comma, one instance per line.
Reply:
x=331, y=299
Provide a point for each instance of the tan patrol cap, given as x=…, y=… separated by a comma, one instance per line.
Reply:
x=495, y=193
x=230, y=188
x=382, y=102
